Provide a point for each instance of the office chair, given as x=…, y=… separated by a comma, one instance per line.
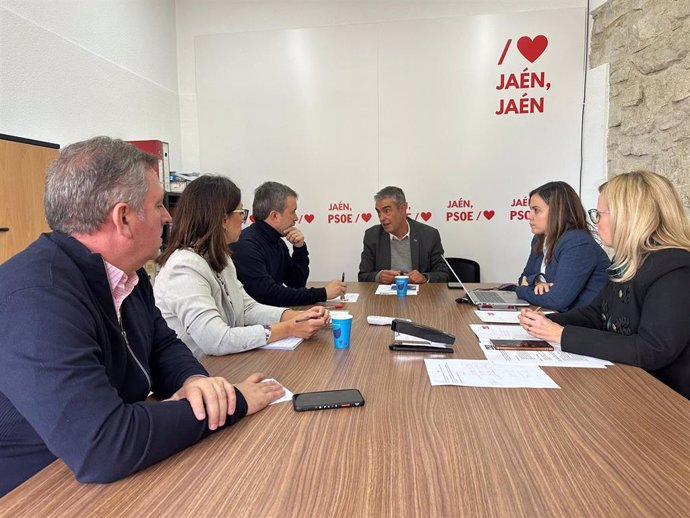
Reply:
x=466, y=269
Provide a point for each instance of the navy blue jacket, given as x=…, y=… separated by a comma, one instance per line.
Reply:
x=642, y=322
x=577, y=270
x=70, y=387
x=269, y=274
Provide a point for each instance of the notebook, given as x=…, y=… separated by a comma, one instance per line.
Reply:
x=286, y=344
x=488, y=299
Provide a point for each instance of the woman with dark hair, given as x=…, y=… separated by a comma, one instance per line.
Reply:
x=641, y=316
x=566, y=267
x=197, y=289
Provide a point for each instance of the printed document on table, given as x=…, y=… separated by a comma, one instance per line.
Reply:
x=288, y=394
x=286, y=344
x=555, y=358
x=389, y=289
x=480, y=373
x=348, y=297
x=501, y=317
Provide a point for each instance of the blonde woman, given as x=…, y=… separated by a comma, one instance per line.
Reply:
x=642, y=315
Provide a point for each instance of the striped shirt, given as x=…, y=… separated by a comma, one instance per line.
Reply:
x=121, y=284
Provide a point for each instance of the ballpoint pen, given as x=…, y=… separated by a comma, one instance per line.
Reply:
x=313, y=317
x=342, y=279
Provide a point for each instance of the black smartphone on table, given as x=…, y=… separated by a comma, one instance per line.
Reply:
x=327, y=399
x=521, y=345
x=419, y=348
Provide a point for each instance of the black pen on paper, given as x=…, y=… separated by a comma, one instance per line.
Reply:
x=313, y=317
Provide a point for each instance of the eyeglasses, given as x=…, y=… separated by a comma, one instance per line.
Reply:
x=244, y=212
x=595, y=215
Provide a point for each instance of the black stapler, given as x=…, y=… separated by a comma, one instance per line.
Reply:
x=425, y=334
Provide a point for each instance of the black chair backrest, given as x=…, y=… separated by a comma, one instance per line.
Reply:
x=466, y=269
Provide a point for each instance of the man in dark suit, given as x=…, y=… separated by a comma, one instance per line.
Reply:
x=400, y=244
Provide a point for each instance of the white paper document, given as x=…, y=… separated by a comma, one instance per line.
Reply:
x=286, y=344
x=487, y=332
x=480, y=373
x=389, y=289
x=556, y=358
x=288, y=395
x=501, y=317
x=348, y=297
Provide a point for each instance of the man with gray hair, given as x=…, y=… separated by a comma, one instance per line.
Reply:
x=269, y=273
x=400, y=245
x=82, y=344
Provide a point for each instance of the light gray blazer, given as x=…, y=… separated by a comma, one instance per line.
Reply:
x=210, y=313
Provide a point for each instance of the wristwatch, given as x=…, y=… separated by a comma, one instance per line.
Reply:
x=267, y=330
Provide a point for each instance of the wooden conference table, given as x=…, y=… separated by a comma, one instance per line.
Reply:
x=613, y=442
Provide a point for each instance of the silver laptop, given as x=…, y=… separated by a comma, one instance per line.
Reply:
x=488, y=299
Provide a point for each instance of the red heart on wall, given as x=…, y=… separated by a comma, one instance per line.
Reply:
x=532, y=48
x=488, y=214
x=366, y=216
x=309, y=217
x=251, y=218
x=425, y=215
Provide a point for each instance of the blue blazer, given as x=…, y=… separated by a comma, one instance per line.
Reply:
x=577, y=271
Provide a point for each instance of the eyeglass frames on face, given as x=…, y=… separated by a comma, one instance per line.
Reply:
x=595, y=215
x=244, y=212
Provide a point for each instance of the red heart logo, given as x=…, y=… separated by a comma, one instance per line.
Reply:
x=425, y=215
x=532, y=48
x=488, y=214
x=309, y=217
x=251, y=218
x=366, y=216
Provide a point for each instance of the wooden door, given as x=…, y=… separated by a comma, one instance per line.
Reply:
x=22, y=177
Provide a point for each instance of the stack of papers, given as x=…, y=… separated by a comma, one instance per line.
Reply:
x=556, y=358
x=501, y=317
x=390, y=289
x=286, y=344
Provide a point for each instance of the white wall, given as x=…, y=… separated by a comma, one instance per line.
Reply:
x=72, y=69
x=339, y=112
x=204, y=27
x=204, y=17
x=594, y=165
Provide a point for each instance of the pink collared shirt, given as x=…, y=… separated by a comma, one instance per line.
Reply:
x=121, y=284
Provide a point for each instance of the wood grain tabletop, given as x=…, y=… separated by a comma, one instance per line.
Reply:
x=609, y=442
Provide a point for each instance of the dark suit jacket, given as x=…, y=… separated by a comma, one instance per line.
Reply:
x=642, y=322
x=425, y=247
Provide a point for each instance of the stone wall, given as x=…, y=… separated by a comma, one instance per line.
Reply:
x=647, y=46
